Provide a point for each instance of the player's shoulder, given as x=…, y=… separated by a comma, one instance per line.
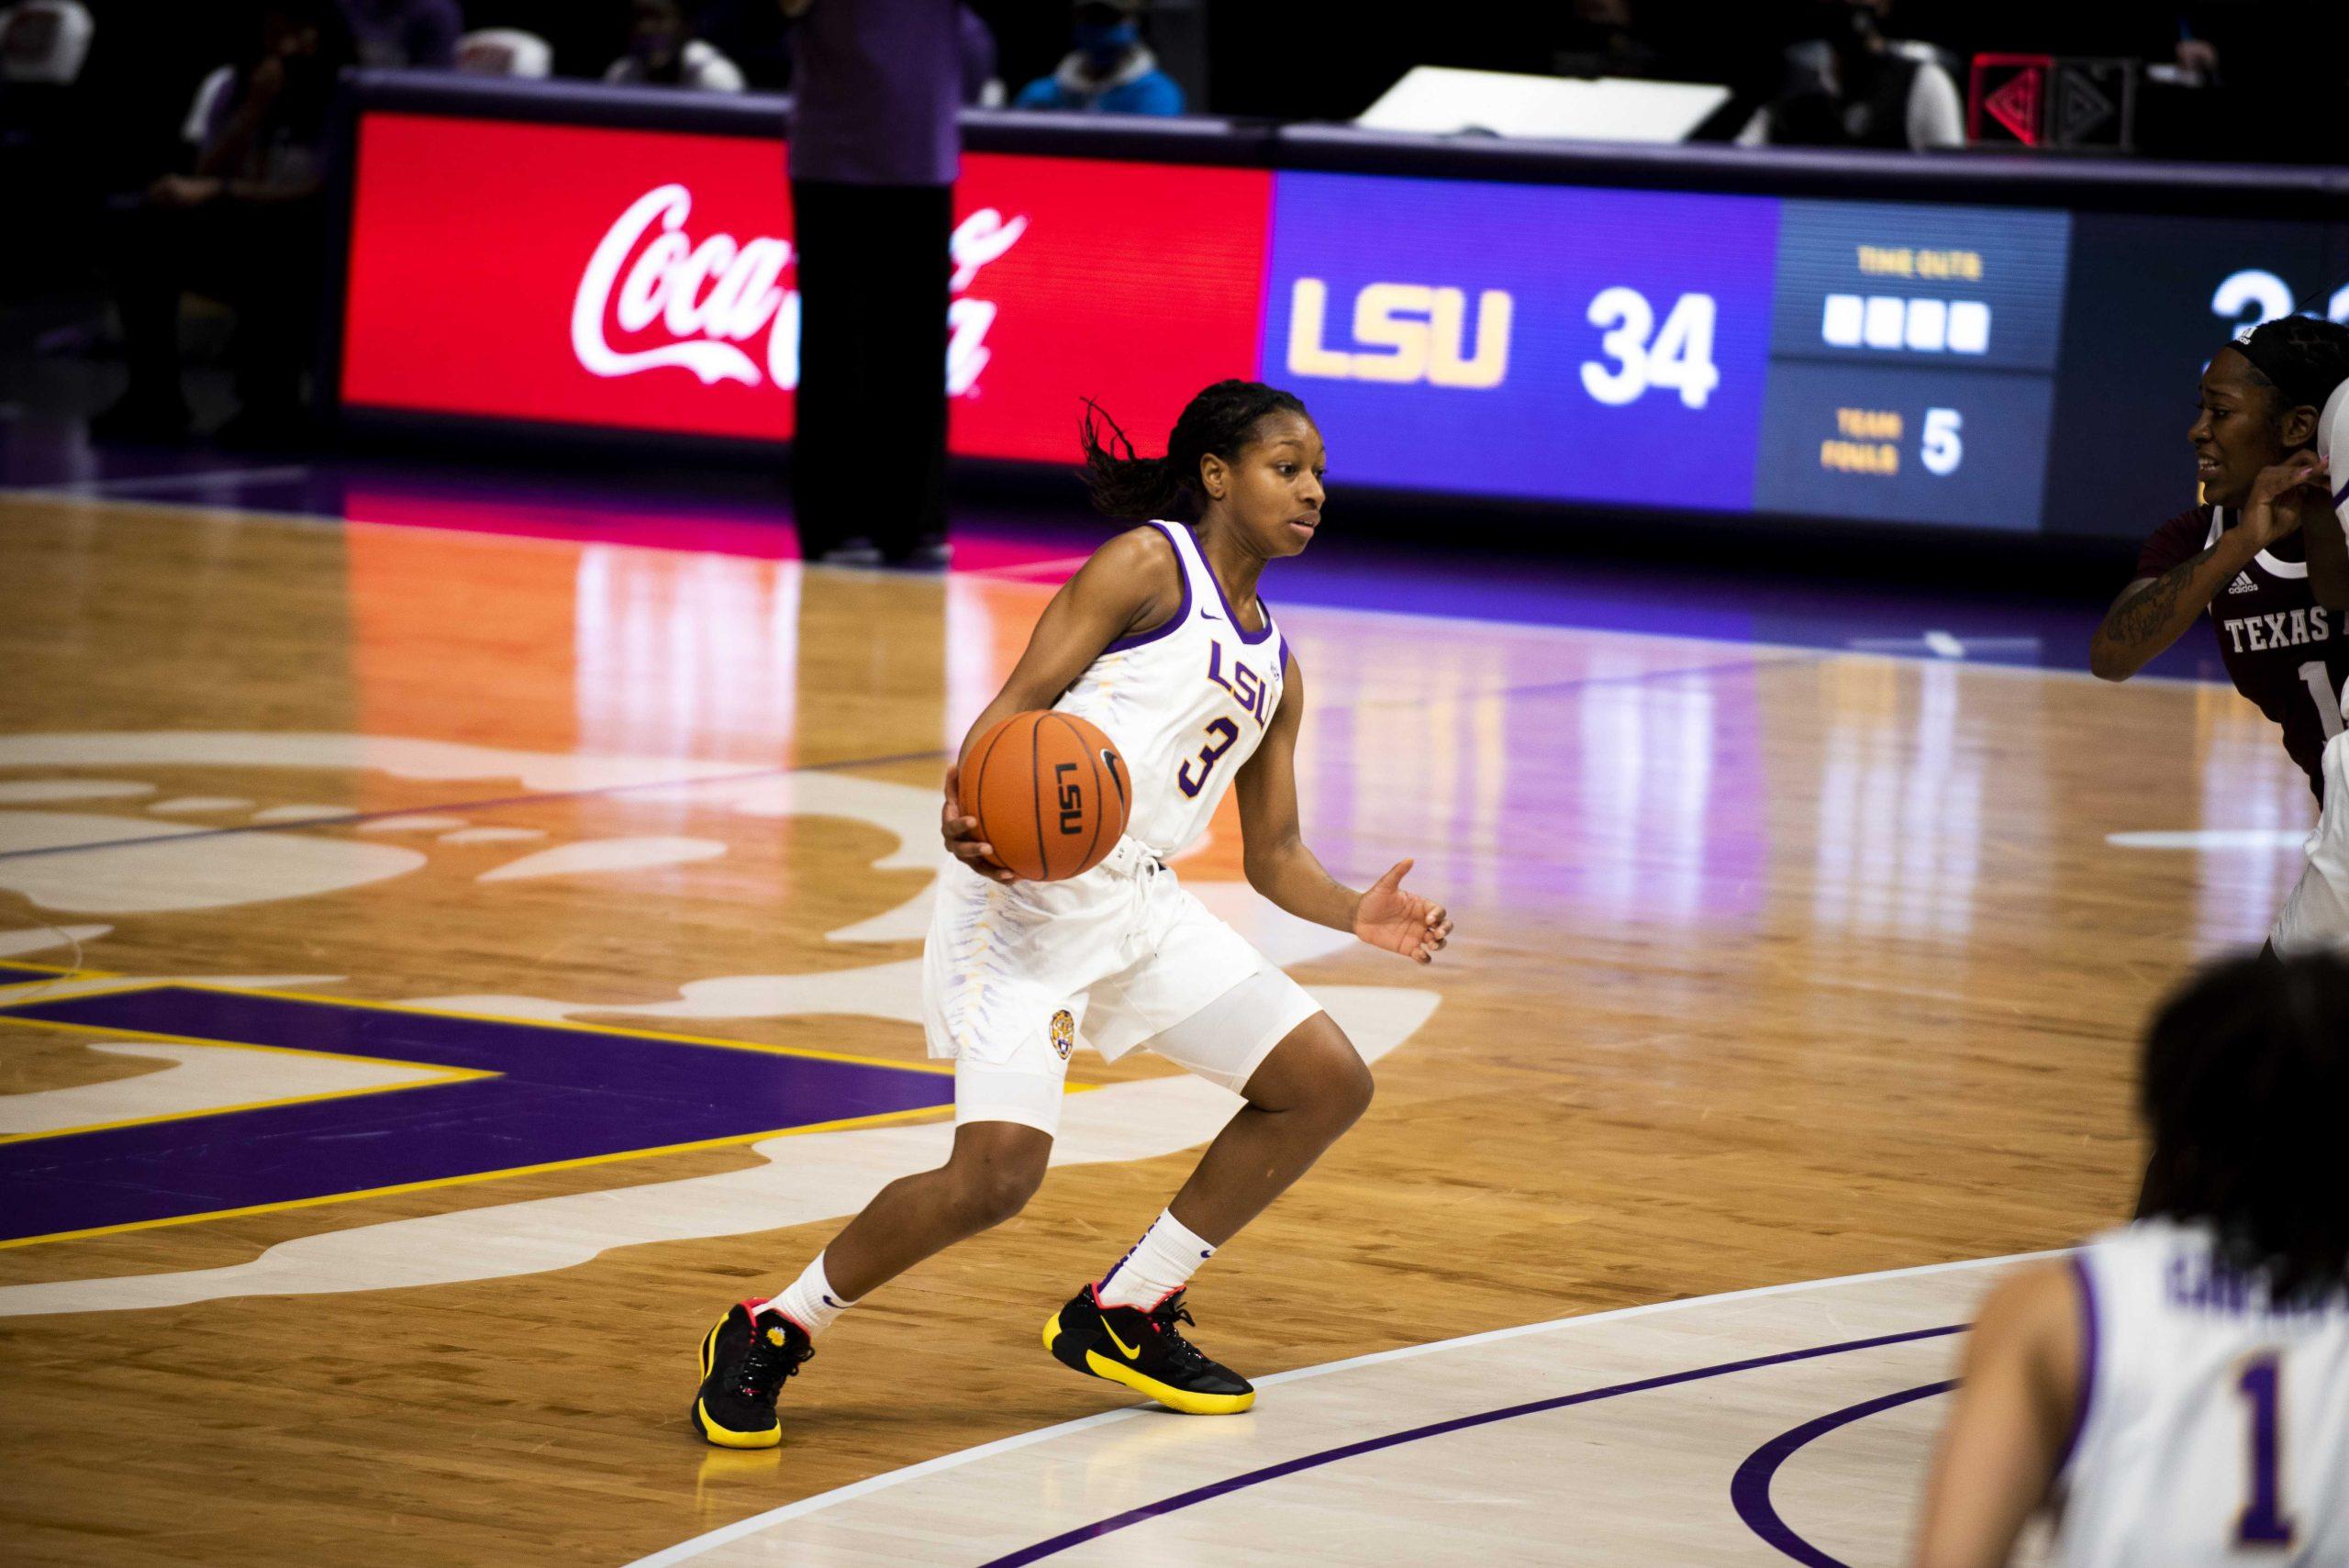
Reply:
x=2194, y=520
x=1136, y=573
x=1142, y=559
x=2034, y=1306
x=1143, y=545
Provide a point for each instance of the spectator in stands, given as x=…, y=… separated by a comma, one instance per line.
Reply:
x=1603, y=38
x=875, y=148
x=663, y=49
x=247, y=227
x=1849, y=85
x=1110, y=70
x=981, y=85
x=393, y=35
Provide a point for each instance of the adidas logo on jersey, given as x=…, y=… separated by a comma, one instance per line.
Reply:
x=2243, y=585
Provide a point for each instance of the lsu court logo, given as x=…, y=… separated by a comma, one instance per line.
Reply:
x=1063, y=1032
x=1405, y=334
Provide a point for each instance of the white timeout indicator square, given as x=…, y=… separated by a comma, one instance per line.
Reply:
x=1920, y=326
x=1969, y=328
x=1841, y=326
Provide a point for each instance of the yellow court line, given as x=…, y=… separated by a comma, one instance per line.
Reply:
x=436, y=1075
x=810, y=1052
x=850, y=1123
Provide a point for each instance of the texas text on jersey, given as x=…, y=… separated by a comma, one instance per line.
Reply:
x=2285, y=651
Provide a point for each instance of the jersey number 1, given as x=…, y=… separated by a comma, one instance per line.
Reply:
x=1224, y=735
x=2262, y=1522
x=2330, y=705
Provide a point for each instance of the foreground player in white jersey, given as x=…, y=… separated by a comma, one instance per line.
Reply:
x=2178, y=1390
x=1160, y=640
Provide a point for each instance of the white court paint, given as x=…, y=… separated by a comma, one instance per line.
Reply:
x=908, y=812
x=883, y=990
x=2212, y=838
x=197, y=1079
x=195, y=867
x=201, y=803
x=44, y=792
x=299, y=813
x=823, y=1175
x=493, y=835
x=801, y=1179
x=45, y=939
x=1642, y=1478
x=590, y=857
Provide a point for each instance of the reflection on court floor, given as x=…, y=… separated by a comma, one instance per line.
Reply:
x=1775, y=962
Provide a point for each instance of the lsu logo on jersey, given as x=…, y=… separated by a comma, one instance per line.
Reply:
x=1063, y=1032
x=1407, y=333
x=1253, y=692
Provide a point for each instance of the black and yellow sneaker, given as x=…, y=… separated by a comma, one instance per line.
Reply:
x=1145, y=1352
x=744, y=1360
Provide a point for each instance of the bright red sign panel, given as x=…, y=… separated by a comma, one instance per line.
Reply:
x=645, y=279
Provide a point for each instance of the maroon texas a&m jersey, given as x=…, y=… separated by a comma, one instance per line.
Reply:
x=2285, y=651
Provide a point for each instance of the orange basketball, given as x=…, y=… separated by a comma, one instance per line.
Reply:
x=1049, y=792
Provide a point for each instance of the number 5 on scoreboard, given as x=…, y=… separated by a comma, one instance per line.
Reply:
x=1943, y=450
x=1680, y=353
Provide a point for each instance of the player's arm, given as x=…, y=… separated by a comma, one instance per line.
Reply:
x=1132, y=583
x=1280, y=867
x=2015, y=1406
x=2328, y=548
x=2154, y=612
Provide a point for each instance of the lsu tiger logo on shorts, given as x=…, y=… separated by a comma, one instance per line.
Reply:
x=1063, y=1032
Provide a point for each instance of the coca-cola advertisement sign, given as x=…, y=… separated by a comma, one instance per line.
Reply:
x=645, y=279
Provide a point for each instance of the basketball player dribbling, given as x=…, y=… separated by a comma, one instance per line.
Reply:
x=2178, y=1391
x=1162, y=640
x=2267, y=558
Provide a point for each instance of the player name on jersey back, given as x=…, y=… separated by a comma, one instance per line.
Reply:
x=2215, y=1421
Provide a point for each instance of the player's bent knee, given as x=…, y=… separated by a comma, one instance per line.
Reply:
x=1314, y=1070
x=1351, y=1085
x=995, y=1170
x=988, y=1199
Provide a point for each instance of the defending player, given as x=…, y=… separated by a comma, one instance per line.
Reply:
x=1163, y=641
x=2182, y=1385
x=2267, y=560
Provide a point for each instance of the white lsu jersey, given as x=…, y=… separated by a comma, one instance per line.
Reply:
x=1187, y=704
x=2215, y=1429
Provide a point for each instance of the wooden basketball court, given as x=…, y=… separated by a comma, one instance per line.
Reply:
x=440, y=972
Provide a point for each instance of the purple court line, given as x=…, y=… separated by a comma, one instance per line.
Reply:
x=1215, y=1489
x=348, y=817
x=1749, y=1489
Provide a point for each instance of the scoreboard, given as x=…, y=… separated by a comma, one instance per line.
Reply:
x=2008, y=368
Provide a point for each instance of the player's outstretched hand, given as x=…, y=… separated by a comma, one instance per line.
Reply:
x=962, y=833
x=1401, y=922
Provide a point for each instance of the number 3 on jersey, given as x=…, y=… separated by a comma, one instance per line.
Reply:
x=1224, y=735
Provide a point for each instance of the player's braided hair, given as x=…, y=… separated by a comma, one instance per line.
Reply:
x=2302, y=358
x=1219, y=420
x=2244, y=1078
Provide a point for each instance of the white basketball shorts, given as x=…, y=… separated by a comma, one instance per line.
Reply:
x=1014, y=973
x=2315, y=915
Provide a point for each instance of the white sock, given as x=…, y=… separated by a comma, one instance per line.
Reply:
x=1161, y=1264
x=810, y=1301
